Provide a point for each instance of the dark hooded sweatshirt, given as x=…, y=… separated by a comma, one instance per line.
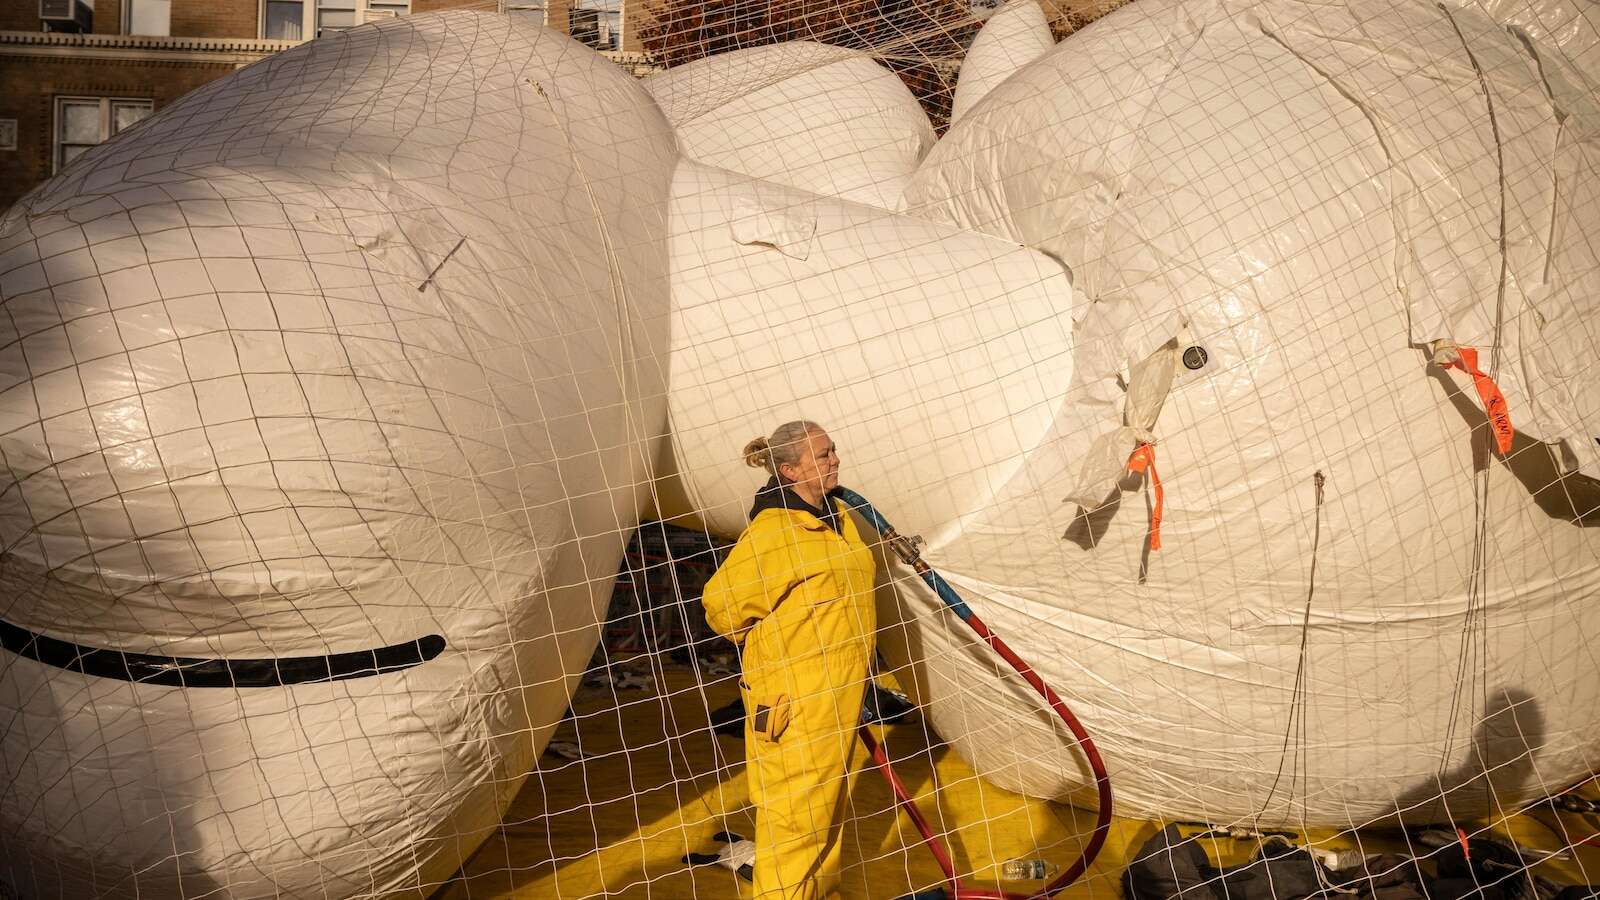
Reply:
x=774, y=495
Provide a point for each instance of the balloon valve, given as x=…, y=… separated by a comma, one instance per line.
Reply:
x=907, y=547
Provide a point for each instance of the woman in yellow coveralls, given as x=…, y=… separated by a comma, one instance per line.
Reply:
x=795, y=594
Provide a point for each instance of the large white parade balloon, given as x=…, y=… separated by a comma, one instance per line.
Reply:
x=346, y=366
x=1276, y=217
x=1279, y=216
x=332, y=392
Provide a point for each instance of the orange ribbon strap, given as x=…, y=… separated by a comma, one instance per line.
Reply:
x=1494, y=402
x=1144, y=457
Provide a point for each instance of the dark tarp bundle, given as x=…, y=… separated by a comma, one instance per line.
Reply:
x=1389, y=876
x=1170, y=867
x=1485, y=868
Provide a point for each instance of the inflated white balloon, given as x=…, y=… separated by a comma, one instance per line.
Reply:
x=1319, y=198
x=356, y=348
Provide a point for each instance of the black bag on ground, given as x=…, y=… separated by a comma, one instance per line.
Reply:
x=1487, y=869
x=1279, y=871
x=1169, y=866
x=1387, y=876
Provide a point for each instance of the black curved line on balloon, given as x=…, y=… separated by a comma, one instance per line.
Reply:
x=191, y=672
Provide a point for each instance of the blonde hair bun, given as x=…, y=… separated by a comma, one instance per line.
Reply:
x=758, y=454
x=785, y=447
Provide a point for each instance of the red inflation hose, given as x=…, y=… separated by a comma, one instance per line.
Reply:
x=907, y=550
x=880, y=758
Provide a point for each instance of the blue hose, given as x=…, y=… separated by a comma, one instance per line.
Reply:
x=907, y=551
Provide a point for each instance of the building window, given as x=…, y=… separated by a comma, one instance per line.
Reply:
x=151, y=17
x=336, y=15
x=282, y=20
x=597, y=23
x=528, y=11
x=82, y=122
x=67, y=16
x=291, y=20
x=386, y=9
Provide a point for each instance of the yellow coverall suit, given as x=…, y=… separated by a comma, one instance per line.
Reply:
x=797, y=596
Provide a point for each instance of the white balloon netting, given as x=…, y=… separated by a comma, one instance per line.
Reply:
x=375, y=342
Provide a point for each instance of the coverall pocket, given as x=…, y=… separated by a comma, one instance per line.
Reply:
x=770, y=717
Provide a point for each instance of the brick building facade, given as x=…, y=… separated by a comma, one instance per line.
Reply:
x=64, y=87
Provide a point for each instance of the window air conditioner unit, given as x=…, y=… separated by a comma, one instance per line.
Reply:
x=67, y=13
x=378, y=15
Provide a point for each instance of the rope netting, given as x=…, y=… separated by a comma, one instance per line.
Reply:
x=372, y=423
x=922, y=41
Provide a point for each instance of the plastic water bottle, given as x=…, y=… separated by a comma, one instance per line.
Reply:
x=1027, y=869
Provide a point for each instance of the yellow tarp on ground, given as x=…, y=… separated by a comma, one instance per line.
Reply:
x=656, y=783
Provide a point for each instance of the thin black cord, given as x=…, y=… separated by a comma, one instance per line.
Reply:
x=1297, y=720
